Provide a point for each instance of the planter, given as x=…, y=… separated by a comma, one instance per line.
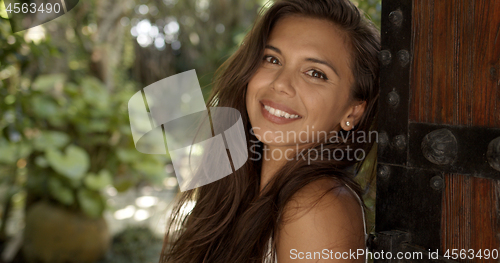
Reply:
x=56, y=235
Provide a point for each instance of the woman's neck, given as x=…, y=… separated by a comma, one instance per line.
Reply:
x=273, y=159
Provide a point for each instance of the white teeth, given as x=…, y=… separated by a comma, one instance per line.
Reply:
x=280, y=113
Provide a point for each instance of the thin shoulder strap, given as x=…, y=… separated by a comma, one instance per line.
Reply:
x=362, y=210
x=364, y=219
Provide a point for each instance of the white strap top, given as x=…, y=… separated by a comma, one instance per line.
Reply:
x=268, y=256
x=364, y=217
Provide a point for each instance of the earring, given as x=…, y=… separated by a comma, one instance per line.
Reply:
x=347, y=123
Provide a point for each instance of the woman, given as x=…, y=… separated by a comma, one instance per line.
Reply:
x=305, y=81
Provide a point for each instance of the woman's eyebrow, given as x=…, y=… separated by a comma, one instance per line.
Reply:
x=274, y=48
x=315, y=60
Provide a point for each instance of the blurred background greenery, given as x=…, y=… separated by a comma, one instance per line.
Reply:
x=65, y=139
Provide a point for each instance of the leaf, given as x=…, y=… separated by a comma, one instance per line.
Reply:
x=99, y=181
x=3, y=11
x=73, y=164
x=10, y=152
x=90, y=203
x=128, y=155
x=57, y=121
x=48, y=139
x=23, y=149
x=75, y=184
x=94, y=92
x=71, y=89
x=46, y=83
x=6, y=155
x=60, y=192
x=98, y=125
x=41, y=161
x=45, y=107
x=150, y=168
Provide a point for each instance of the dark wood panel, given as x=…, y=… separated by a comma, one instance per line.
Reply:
x=469, y=218
x=455, y=75
x=455, y=79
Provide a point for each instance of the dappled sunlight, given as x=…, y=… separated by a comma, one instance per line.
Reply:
x=146, y=201
x=125, y=213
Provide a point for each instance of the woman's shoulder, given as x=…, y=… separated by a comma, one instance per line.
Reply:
x=324, y=214
x=325, y=193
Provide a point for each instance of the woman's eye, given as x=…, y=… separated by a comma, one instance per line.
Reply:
x=272, y=60
x=316, y=74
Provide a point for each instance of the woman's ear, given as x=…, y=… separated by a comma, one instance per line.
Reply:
x=353, y=115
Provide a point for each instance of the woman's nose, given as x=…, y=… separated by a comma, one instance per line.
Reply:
x=284, y=82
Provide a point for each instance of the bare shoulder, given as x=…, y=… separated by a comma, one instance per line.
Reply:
x=319, y=220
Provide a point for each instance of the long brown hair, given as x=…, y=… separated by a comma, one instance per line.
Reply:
x=232, y=220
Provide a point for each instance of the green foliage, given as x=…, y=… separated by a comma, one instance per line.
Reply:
x=72, y=164
x=90, y=202
x=60, y=192
x=371, y=8
x=10, y=152
x=3, y=12
x=71, y=133
x=98, y=181
x=48, y=139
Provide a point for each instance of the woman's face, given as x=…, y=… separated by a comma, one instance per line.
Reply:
x=303, y=84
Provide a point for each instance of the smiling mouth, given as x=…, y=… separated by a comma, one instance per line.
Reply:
x=280, y=113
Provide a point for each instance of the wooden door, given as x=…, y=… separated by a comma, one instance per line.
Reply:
x=438, y=181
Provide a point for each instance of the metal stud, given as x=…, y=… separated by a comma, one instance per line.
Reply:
x=403, y=57
x=393, y=98
x=437, y=182
x=440, y=147
x=493, y=154
x=385, y=57
x=383, y=139
x=399, y=142
x=384, y=171
x=396, y=17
